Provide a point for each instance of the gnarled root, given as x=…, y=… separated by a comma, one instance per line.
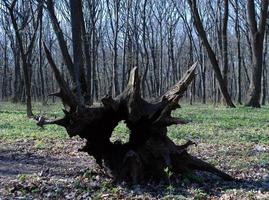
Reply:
x=149, y=150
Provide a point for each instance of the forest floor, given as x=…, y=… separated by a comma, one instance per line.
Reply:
x=40, y=163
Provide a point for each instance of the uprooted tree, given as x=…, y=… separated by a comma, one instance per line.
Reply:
x=149, y=150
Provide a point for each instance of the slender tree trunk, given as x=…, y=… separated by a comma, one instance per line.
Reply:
x=192, y=89
x=238, y=40
x=41, y=58
x=17, y=70
x=4, y=80
x=75, y=6
x=257, y=37
x=203, y=73
x=88, y=66
x=264, y=78
x=212, y=57
x=114, y=21
x=94, y=50
x=225, y=43
x=145, y=49
x=25, y=66
x=60, y=37
x=160, y=89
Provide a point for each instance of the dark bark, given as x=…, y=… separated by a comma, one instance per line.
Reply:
x=257, y=37
x=114, y=22
x=60, y=37
x=225, y=42
x=17, y=78
x=25, y=53
x=143, y=81
x=212, y=57
x=87, y=56
x=127, y=51
x=41, y=58
x=4, y=80
x=75, y=6
x=149, y=150
x=94, y=48
x=264, y=78
x=238, y=38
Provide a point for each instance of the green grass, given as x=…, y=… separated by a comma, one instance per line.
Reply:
x=226, y=138
x=232, y=132
x=223, y=125
x=210, y=124
x=15, y=125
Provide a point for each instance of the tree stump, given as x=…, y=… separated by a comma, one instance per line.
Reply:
x=149, y=150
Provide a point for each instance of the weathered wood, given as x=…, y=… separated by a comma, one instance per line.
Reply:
x=149, y=150
x=65, y=92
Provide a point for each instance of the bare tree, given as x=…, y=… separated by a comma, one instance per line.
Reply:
x=112, y=37
x=25, y=53
x=225, y=42
x=114, y=23
x=61, y=40
x=76, y=12
x=257, y=37
x=214, y=62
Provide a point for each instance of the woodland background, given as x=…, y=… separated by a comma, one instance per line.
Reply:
x=94, y=45
x=161, y=37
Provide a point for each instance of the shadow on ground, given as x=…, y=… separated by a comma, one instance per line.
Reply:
x=70, y=171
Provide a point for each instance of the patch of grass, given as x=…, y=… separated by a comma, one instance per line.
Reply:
x=240, y=128
x=120, y=133
x=208, y=124
x=15, y=125
x=264, y=159
x=221, y=125
x=39, y=144
x=226, y=137
x=232, y=133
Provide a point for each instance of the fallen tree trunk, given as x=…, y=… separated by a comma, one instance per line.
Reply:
x=149, y=150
